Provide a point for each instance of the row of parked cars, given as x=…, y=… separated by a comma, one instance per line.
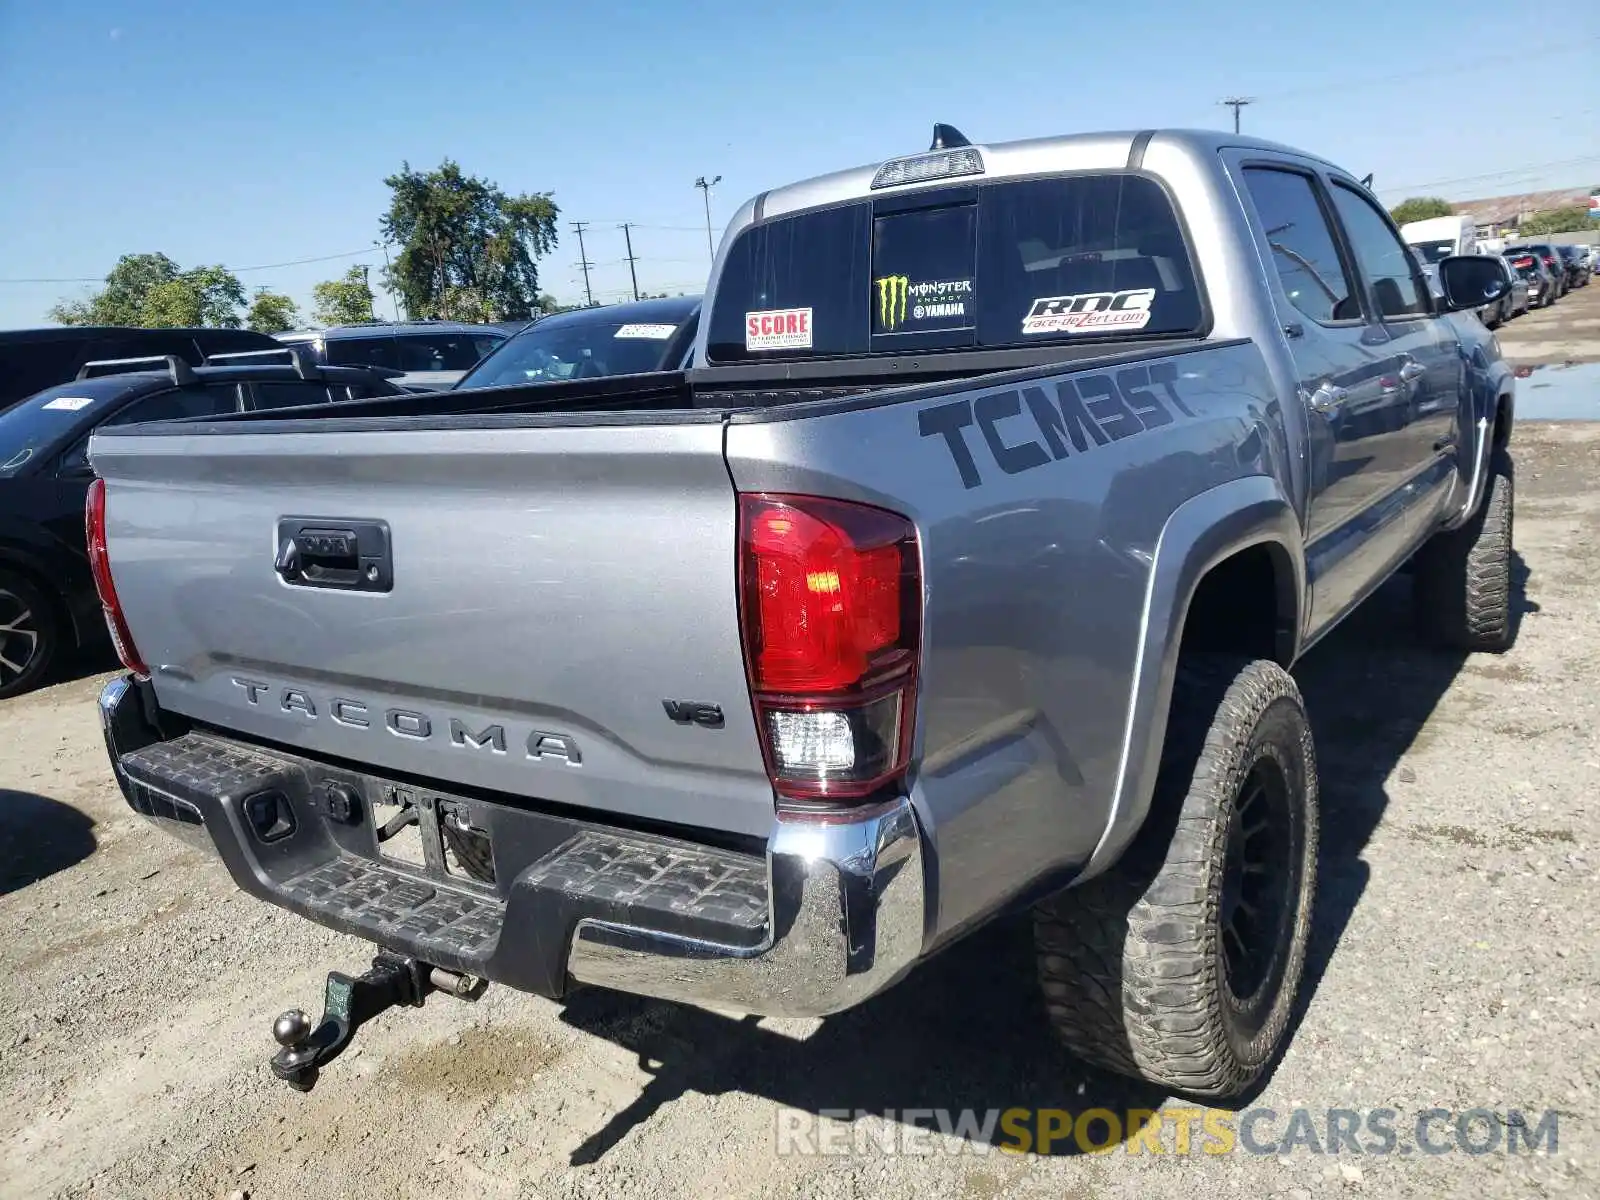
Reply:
x=1537, y=274
x=58, y=386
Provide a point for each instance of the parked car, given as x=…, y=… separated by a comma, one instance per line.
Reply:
x=1517, y=299
x=1504, y=306
x=431, y=355
x=961, y=575
x=47, y=596
x=591, y=343
x=1576, y=263
x=1553, y=263
x=34, y=359
x=1541, y=283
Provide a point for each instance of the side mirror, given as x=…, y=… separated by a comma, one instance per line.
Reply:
x=1469, y=281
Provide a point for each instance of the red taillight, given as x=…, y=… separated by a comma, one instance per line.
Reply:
x=94, y=521
x=830, y=604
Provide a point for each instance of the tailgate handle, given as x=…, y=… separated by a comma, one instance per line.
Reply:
x=349, y=555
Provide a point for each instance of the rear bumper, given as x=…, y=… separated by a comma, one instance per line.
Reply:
x=829, y=915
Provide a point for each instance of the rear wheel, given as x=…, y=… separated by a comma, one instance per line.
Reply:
x=1180, y=965
x=1462, y=582
x=29, y=634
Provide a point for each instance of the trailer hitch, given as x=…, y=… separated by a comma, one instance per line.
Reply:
x=348, y=1004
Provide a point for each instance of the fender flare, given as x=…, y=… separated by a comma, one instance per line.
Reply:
x=1204, y=531
x=1483, y=434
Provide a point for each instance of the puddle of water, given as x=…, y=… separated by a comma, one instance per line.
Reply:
x=1559, y=393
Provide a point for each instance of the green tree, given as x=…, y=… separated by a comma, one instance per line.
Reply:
x=1557, y=220
x=466, y=246
x=271, y=312
x=343, y=301
x=151, y=290
x=1420, y=208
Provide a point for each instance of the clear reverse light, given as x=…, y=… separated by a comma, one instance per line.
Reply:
x=812, y=741
x=941, y=164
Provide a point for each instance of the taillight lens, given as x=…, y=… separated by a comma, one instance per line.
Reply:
x=94, y=520
x=830, y=605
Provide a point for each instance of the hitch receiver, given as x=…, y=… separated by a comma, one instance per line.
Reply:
x=349, y=1003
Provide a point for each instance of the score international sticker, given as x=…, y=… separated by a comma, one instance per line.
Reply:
x=778, y=329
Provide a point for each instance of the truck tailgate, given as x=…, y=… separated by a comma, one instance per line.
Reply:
x=551, y=588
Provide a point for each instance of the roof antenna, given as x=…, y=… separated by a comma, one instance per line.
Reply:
x=1366, y=181
x=946, y=137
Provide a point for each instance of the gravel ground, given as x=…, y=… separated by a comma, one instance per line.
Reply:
x=1454, y=965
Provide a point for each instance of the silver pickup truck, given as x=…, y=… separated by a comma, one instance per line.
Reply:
x=963, y=574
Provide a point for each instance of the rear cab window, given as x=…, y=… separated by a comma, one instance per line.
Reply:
x=1006, y=263
x=378, y=351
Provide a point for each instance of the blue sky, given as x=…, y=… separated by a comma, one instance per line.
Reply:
x=248, y=135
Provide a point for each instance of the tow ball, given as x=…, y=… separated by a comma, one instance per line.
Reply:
x=350, y=1003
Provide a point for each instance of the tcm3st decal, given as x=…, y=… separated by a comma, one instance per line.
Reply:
x=1090, y=311
x=778, y=329
x=1076, y=415
x=934, y=305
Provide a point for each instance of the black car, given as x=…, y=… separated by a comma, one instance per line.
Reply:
x=590, y=343
x=32, y=359
x=431, y=355
x=47, y=595
x=1553, y=262
x=1577, y=265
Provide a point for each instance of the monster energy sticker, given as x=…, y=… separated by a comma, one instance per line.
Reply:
x=1090, y=312
x=900, y=306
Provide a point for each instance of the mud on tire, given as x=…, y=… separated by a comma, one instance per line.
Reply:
x=1180, y=964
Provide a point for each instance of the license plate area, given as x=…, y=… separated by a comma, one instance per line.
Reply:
x=438, y=835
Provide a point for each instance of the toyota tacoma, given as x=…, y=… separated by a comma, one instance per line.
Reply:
x=963, y=574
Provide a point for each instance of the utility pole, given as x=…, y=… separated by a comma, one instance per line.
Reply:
x=705, y=189
x=627, y=236
x=372, y=300
x=583, y=261
x=388, y=275
x=1236, y=103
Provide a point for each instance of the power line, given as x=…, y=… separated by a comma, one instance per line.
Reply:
x=1526, y=55
x=297, y=262
x=1510, y=172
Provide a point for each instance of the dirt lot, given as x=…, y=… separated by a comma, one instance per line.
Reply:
x=1455, y=964
x=1568, y=330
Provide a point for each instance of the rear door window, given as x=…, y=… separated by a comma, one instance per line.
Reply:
x=438, y=351
x=209, y=400
x=1009, y=263
x=1304, y=252
x=362, y=352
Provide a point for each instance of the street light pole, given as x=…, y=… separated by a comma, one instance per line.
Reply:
x=705, y=189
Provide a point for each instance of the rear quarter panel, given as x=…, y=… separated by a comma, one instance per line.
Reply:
x=1039, y=506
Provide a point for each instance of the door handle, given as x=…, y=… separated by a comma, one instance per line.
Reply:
x=1328, y=397
x=1412, y=371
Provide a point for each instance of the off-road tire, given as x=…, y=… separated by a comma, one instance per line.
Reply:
x=1132, y=962
x=1462, y=581
x=19, y=595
